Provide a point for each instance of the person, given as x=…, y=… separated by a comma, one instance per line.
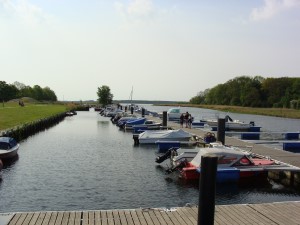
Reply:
x=181, y=120
x=186, y=118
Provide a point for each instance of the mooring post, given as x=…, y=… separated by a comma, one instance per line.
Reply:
x=221, y=131
x=131, y=109
x=165, y=119
x=143, y=112
x=207, y=192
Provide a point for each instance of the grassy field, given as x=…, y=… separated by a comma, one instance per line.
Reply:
x=278, y=112
x=12, y=114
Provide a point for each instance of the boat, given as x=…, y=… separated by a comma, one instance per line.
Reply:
x=151, y=137
x=179, y=154
x=138, y=121
x=1, y=166
x=71, y=113
x=231, y=124
x=234, y=164
x=173, y=114
x=147, y=125
x=8, y=148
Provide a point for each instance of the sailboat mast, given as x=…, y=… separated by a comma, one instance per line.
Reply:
x=131, y=95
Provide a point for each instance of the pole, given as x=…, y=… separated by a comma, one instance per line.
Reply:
x=143, y=112
x=207, y=192
x=221, y=131
x=165, y=118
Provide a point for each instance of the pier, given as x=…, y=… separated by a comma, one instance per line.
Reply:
x=264, y=214
x=288, y=178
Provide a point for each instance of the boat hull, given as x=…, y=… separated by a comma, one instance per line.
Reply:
x=8, y=154
x=224, y=174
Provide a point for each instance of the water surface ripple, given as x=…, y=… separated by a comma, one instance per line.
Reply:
x=86, y=163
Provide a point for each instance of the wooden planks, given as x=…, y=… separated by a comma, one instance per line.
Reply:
x=250, y=214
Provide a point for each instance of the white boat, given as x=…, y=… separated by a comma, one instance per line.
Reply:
x=172, y=114
x=231, y=124
x=150, y=137
x=177, y=155
x=147, y=125
x=8, y=148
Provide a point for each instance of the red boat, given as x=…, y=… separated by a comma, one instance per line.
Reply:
x=233, y=164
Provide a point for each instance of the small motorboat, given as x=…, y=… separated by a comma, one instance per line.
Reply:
x=1, y=166
x=233, y=165
x=138, y=121
x=173, y=114
x=231, y=124
x=147, y=125
x=8, y=148
x=151, y=137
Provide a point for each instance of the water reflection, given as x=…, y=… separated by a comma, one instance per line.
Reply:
x=86, y=162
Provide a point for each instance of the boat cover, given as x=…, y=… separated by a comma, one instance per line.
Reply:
x=174, y=134
x=136, y=121
x=219, y=152
x=7, y=143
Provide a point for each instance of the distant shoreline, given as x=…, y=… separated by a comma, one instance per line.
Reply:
x=277, y=112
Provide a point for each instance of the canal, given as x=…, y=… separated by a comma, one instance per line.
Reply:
x=86, y=163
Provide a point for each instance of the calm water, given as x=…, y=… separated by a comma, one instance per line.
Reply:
x=86, y=163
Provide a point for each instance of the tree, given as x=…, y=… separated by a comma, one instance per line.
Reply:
x=105, y=97
x=7, y=91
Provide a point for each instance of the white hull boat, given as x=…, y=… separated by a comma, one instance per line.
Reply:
x=8, y=148
x=150, y=137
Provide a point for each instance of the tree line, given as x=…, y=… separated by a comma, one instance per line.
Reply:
x=19, y=90
x=253, y=92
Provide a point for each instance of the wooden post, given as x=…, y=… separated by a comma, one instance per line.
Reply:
x=207, y=192
x=143, y=112
x=131, y=108
x=165, y=118
x=221, y=131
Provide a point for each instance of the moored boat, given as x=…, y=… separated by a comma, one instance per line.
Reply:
x=151, y=137
x=231, y=124
x=233, y=165
x=8, y=148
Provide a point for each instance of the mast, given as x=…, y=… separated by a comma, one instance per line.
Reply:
x=131, y=95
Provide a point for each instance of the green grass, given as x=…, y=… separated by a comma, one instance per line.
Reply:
x=12, y=114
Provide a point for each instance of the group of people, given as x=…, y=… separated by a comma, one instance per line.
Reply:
x=187, y=118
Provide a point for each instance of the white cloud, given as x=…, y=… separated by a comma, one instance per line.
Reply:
x=136, y=8
x=272, y=8
x=26, y=12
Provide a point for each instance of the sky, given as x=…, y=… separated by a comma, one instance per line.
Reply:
x=163, y=50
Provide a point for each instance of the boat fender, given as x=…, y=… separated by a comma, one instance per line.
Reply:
x=209, y=137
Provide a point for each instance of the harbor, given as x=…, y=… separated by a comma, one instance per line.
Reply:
x=110, y=175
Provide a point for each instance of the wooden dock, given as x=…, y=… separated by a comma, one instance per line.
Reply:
x=285, y=213
x=280, y=155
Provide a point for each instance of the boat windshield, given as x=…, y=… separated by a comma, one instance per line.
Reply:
x=4, y=146
x=174, y=111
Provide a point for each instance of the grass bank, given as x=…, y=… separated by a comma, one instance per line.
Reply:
x=278, y=112
x=12, y=114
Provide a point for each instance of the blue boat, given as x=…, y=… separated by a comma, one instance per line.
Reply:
x=129, y=124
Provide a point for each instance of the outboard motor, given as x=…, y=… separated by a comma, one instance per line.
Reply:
x=165, y=156
x=228, y=118
x=179, y=166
